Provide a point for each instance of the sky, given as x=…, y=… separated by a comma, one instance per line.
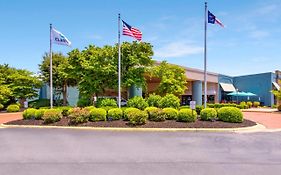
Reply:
x=248, y=44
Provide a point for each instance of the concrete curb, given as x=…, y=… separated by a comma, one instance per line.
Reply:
x=255, y=128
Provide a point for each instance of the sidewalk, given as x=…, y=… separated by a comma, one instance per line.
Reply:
x=268, y=119
x=6, y=117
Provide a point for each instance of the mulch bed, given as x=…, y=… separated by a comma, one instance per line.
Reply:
x=124, y=124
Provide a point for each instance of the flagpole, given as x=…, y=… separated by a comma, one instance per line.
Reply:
x=51, y=69
x=205, y=58
x=119, y=64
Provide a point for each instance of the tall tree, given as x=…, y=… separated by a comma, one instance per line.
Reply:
x=61, y=77
x=172, y=79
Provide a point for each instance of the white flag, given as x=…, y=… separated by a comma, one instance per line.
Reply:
x=58, y=38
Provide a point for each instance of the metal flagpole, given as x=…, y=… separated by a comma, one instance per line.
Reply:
x=205, y=58
x=119, y=64
x=51, y=69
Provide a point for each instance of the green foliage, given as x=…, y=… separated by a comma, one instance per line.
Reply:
x=84, y=101
x=170, y=100
x=98, y=114
x=127, y=111
x=249, y=104
x=115, y=114
x=39, y=103
x=39, y=114
x=137, y=117
x=208, y=114
x=104, y=102
x=155, y=114
x=78, y=115
x=199, y=108
x=256, y=104
x=89, y=108
x=153, y=100
x=243, y=103
x=1, y=107
x=279, y=108
x=137, y=102
x=29, y=114
x=64, y=109
x=52, y=116
x=13, y=108
x=187, y=115
x=209, y=105
x=170, y=113
x=172, y=79
x=230, y=114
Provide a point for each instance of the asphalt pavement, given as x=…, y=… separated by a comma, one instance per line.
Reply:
x=27, y=151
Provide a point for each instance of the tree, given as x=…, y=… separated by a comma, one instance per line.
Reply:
x=61, y=77
x=172, y=79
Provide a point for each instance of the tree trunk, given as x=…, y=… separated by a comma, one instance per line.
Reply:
x=64, y=93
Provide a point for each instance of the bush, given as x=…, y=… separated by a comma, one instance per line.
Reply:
x=64, y=109
x=187, y=115
x=78, y=115
x=137, y=117
x=1, y=107
x=153, y=100
x=98, y=114
x=137, y=102
x=230, y=114
x=218, y=105
x=89, y=108
x=208, y=114
x=13, y=108
x=279, y=108
x=170, y=113
x=155, y=114
x=210, y=105
x=52, y=115
x=256, y=104
x=39, y=114
x=249, y=104
x=105, y=102
x=199, y=108
x=84, y=101
x=127, y=111
x=170, y=101
x=39, y=103
x=242, y=103
x=184, y=107
x=29, y=114
x=115, y=114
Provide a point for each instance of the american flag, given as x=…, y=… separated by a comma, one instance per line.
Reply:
x=131, y=31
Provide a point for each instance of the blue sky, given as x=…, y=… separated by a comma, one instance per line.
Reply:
x=250, y=42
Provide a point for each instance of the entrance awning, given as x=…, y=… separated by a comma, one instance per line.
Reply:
x=276, y=85
x=227, y=87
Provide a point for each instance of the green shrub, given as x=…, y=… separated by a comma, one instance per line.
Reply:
x=127, y=111
x=256, y=104
x=279, y=108
x=170, y=113
x=242, y=103
x=137, y=117
x=98, y=114
x=52, y=116
x=230, y=114
x=137, y=102
x=187, y=115
x=89, y=108
x=274, y=106
x=64, y=109
x=218, y=105
x=199, y=108
x=39, y=114
x=249, y=104
x=170, y=101
x=184, y=107
x=39, y=103
x=210, y=105
x=155, y=114
x=84, y=101
x=115, y=114
x=1, y=107
x=78, y=115
x=13, y=108
x=153, y=100
x=29, y=114
x=107, y=108
x=105, y=102
x=208, y=114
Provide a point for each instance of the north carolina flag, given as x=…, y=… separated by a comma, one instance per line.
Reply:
x=213, y=19
x=58, y=38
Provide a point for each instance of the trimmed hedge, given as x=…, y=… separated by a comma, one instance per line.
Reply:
x=84, y=101
x=153, y=100
x=249, y=104
x=155, y=114
x=52, y=116
x=115, y=114
x=137, y=102
x=29, y=114
x=208, y=114
x=39, y=103
x=230, y=114
x=187, y=115
x=170, y=101
x=170, y=113
x=127, y=111
x=64, y=109
x=39, y=114
x=256, y=104
x=199, y=108
x=13, y=108
x=78, y=115
x=137, y=117
x=1, y=107
x=97, y=114
x=89, y=108
x=105, y=102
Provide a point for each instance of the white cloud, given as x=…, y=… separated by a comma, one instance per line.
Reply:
x=177, y=49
